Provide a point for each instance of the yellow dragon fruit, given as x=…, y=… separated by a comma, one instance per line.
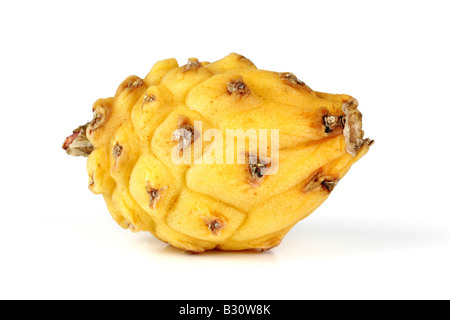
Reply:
x=217, y=155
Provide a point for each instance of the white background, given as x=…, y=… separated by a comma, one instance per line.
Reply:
x=383, y=234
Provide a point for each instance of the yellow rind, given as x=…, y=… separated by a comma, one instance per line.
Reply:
x=205, y=206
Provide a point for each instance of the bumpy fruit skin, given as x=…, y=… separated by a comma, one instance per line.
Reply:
x=198, y=207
